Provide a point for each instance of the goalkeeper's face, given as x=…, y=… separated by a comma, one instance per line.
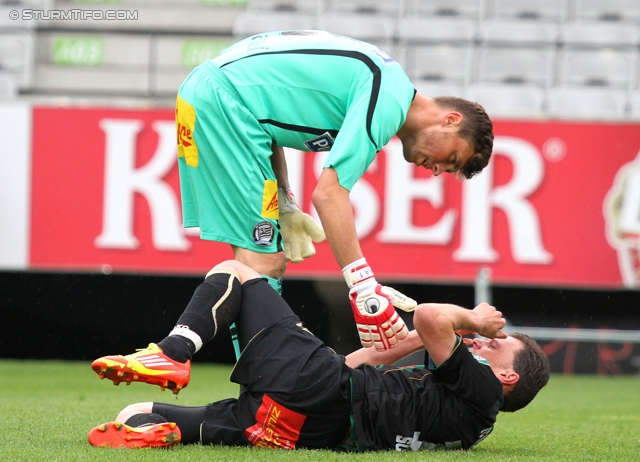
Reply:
x=438, y=148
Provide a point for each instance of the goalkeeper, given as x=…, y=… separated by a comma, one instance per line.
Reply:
x=297, y=393
x=311, y=91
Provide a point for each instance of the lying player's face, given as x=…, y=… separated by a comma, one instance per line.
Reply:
x=499, y=352
x=439, y=149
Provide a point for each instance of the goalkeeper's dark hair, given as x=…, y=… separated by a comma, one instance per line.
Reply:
x=533, y=367
x=476, y=129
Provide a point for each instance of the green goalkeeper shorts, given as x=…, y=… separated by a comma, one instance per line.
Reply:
x=227, y=185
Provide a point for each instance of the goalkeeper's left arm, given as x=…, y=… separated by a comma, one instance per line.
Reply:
x=298, y=229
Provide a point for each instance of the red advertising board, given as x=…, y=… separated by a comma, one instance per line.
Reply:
x=558, y=205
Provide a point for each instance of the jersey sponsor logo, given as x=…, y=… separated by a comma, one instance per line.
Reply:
x=270, y=207
x=413, y=443
x=263, y=234
x=185, y=126
x=276, y=426
x=320, y=143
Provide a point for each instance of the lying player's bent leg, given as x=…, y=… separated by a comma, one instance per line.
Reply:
x=214, y=306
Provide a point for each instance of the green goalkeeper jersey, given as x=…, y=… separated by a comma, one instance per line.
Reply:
x=316, y=91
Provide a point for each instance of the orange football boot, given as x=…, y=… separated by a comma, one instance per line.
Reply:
x=118, y=435
x=149, y=365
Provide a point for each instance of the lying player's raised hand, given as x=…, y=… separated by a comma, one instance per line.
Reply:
x=372, y=304
x=490, y=321
x=298, y=229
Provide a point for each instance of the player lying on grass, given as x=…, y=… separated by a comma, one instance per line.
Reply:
x=298, y=393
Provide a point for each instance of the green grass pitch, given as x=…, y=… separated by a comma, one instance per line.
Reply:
x=48, y=407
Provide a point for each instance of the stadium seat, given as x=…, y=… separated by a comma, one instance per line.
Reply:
x=430, y=89
x=470, y=9
x=255, y=22
x=426, y=29
x=511, y=100
x=17, y=57
x=440, y=63
x=374, y=27
x=603, y=67
x=593, y=103
x=8, y=86
x=93, y=63
x=90, y=81
x=518, y=32
x=176, y=56
x=534, y=66
x=600, y=34
x=291, y=6
x=634, y=105
x=370, y=20
x=549, y=10
x=387, y=8
x=273, y=15
x=9, y=24
x=606, y=10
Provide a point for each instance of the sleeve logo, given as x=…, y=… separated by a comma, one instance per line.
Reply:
x=320, y=143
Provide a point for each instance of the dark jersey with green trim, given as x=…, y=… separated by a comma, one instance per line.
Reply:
x=316, y=91
x=453, y=406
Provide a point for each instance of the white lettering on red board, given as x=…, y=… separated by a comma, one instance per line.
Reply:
x=123, y=180
x=479, y=198
x=621, y=210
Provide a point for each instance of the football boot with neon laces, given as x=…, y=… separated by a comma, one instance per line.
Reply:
x=119, y=435
x=149, y=365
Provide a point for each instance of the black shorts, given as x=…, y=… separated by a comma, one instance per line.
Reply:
x=294, y=393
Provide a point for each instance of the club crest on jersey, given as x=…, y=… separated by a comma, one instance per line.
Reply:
x=320, y=143
x=263, y=234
